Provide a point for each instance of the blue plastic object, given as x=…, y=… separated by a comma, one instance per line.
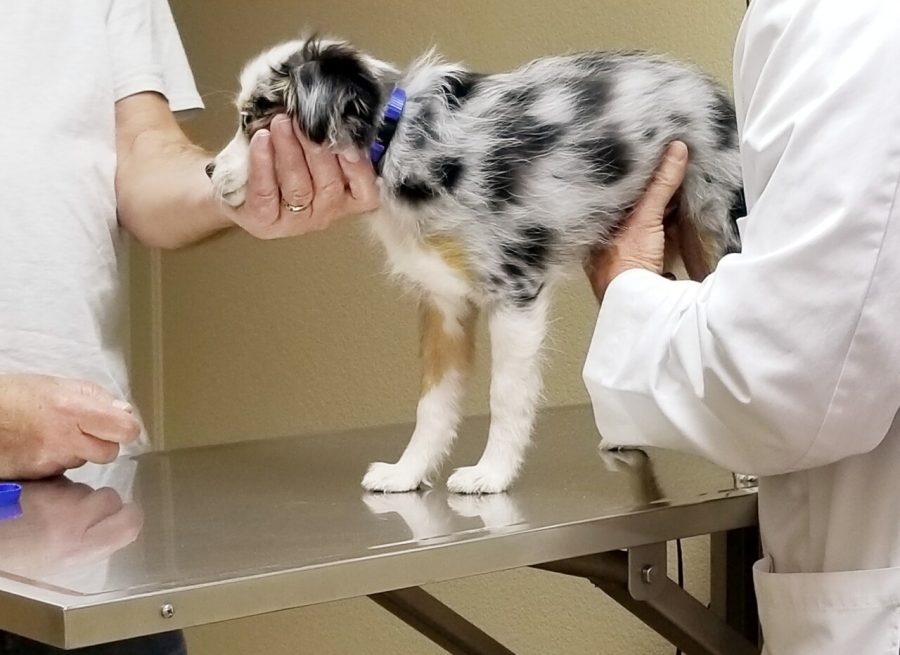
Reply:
x=9, y=493
x=9, y=500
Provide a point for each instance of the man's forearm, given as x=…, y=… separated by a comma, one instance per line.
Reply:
x=164, y=197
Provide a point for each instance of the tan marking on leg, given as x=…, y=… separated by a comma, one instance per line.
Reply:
x=444, y=349
x=712, y=251
x=450, y=251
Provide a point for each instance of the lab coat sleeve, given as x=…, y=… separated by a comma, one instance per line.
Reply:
x=788, y=356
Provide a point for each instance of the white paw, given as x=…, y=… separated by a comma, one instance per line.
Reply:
x=391, y=478
x=479, y=479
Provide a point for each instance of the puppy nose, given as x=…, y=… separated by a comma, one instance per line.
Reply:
x=210, y=168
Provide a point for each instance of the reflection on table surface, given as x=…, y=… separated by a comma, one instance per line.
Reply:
x=66, y=532
x=241, y=509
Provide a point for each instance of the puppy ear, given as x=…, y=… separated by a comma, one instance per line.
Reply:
x=335, y=94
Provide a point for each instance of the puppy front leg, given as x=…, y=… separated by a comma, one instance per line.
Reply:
x=448, y=346
x=517, y=334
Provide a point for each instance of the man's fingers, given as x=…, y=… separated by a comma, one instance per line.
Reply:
x=328, y=178
x=641, y=242
x=113, y=533
x=322, y=163
x=97, y=505
x=97, y=419
x=286, y=167
x=291, y=170
x=263, y=200
x=87, y=389
x=666, y=181
x=92, y=411
x=93, y=449
x=361, y=181
x=671, y=171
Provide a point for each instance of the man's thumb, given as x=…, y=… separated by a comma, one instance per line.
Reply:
x=666, y=180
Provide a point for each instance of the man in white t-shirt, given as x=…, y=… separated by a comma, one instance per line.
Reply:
x=89, y=143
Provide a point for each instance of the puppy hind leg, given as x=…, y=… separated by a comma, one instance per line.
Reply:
x=702, y=226
x=447, y=350
x=695, y=251
x=517, y=336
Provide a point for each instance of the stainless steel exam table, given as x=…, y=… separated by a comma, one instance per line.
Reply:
x=236, y=530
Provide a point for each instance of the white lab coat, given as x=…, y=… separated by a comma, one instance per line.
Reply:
x=786, y=361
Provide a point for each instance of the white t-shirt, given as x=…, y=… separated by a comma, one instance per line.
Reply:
x=63, y=65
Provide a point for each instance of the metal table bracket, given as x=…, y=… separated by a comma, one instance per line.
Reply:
x=638, y=580
x=647, y=571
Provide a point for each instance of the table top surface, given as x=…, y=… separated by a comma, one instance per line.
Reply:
x=235, y=530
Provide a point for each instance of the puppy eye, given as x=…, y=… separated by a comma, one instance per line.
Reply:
x=264, y=104
x=245, y=120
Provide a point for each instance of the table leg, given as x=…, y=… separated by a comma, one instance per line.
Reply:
x=430, y=617
x=732, y=598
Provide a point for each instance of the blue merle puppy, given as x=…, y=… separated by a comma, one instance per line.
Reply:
x=492, y=187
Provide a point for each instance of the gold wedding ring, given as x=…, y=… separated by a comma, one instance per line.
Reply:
x=295, y=209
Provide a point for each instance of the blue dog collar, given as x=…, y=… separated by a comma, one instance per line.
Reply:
x=392, y=113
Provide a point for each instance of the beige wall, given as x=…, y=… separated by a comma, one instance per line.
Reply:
x=260, y=339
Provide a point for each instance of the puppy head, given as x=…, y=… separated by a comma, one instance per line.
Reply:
x=333, y=92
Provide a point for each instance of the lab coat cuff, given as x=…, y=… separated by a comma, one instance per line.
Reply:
x=631, y=301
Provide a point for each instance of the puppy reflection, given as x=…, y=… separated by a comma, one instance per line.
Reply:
x=636, y=464
x=433, y=516
x=424, y=512
x=498, y=513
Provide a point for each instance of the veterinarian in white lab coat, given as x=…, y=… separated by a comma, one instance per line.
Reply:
x=89, y=145
x=786, y=361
